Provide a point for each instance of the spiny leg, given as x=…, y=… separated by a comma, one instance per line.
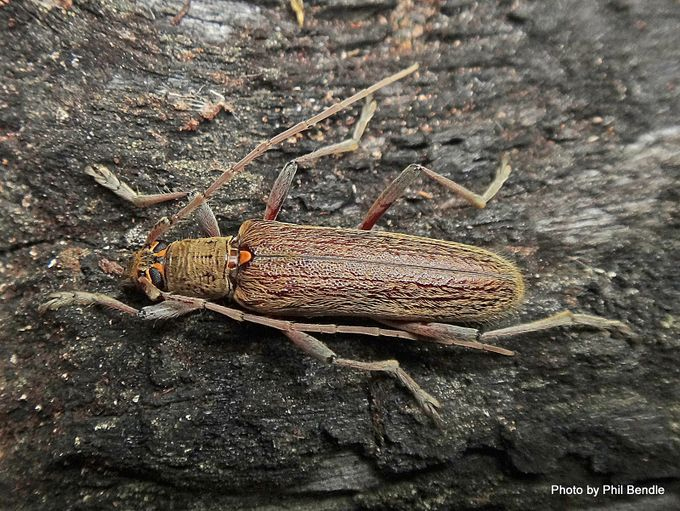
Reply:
x=317, y=349
x=105, y=177
x=162, y=226
x=282, y=184
x=397, y=187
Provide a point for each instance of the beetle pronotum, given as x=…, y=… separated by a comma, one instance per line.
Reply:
x=417, y=287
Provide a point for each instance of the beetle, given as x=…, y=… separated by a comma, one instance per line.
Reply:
x=418, y=288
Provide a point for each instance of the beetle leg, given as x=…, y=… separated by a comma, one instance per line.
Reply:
x=443, y=333
x=103, y=175
x=263, y=147
x=478, y=201
x=397, y=187
x=68, y=298
x=317, y=349
x=285, y=178
x=449, y=335
x=351, y=144
x=175, y=305
x=564, y=318
x=178, y=305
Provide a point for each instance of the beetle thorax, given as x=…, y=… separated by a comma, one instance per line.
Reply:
x=200, y=267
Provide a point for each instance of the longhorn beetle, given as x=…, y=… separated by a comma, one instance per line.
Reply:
x=417, y=287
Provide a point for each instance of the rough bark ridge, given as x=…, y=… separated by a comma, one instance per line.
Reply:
x=100, y=411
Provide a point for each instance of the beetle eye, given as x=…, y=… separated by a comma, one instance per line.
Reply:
x=156, y=278
x=160, y=246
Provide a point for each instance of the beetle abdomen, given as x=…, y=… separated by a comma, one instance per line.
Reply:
x=301, y=270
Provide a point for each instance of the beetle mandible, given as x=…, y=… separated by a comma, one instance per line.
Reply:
x=417, y=287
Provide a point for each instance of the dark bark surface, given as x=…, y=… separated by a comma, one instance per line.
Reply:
x=99, y=411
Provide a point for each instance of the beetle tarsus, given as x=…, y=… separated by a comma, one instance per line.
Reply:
x=427, y=403
x=348, y=145
x=564, y=318
x=74, y=298
x=106, y=178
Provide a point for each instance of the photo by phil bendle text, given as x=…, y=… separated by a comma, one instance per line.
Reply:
x=607, y=489
x=416, y=287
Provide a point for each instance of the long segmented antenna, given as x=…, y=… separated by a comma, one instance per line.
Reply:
x=166, y=223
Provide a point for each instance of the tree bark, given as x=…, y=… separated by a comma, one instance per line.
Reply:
x=100, y=411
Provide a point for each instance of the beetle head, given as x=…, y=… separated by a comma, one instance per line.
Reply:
x=147, y=266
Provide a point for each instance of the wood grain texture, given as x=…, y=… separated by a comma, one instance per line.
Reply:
x=301, y=270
